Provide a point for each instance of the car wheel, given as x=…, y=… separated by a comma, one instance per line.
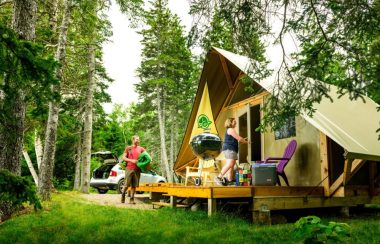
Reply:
x=120, y=186
x=102, y=191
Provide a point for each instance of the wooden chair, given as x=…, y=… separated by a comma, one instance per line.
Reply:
x=282, y=161
x=202, y=173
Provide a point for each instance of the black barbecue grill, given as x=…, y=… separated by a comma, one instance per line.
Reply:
x=206, y=145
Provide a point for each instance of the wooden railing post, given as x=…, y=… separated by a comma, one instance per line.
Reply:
x=324, y=163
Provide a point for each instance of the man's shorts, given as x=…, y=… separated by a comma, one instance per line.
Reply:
x=229, y=154
x=132, y=177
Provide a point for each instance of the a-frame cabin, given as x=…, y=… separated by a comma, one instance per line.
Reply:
x=337, y=160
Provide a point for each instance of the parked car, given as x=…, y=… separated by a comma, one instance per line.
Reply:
x=110, y=175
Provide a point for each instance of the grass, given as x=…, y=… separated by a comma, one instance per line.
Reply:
x=69, y=219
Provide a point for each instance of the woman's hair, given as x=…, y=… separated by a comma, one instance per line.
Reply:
x=135, y=136
x=229, y=122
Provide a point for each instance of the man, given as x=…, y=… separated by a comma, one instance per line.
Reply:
x=132, y=172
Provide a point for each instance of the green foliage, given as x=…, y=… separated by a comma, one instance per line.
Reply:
x=237, y=27
x=25, y=62
x=312, y=230
x=123, y=165
x=133, y=9
x=24, y=66
x=95, y=163
x=63, y=183
x=114, y=131
x=17, y=190
x=219, y=35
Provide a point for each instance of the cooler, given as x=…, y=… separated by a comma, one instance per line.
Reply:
x=264, y=174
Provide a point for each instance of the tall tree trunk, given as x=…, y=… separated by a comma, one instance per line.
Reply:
x=175, y=145
x=12, y=127
x=78, y=160
x=38, y=148
x=172, y=139
x=88, y=121
x=161, y=122
x=48, y=160
x=52, y=8
x=30, y=166
x=172, y=135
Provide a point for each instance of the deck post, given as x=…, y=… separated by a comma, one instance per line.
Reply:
x=261, y=217
x=173, y=201
x=345, y=211
x=211, y=204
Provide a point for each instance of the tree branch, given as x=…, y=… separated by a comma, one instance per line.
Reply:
x=318, y=22
x=282, y=45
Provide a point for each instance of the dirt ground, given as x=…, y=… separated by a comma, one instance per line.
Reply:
x=142, y=200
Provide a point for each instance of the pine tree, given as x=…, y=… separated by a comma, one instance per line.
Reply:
x=165, y=74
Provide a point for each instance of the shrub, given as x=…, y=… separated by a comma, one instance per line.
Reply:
x=312, y=230
x=14, y=191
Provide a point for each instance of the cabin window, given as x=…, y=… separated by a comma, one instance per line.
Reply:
x=287, y=130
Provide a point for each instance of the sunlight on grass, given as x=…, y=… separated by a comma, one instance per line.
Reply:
x=70, y=219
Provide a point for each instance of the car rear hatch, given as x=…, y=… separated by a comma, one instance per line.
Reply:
x=108, y=160
x=103, y=171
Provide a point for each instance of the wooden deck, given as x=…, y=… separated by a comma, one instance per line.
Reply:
x=229, y=191
x=263, y=198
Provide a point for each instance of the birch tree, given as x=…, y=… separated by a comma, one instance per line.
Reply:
x=47, y=165
x=78, y=164
x=88, y=120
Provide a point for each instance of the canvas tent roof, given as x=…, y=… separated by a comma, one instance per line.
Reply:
x=351, y=124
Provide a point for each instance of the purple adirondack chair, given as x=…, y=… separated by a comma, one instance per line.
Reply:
x=283, y=161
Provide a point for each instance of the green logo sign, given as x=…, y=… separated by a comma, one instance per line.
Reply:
x=203, y=122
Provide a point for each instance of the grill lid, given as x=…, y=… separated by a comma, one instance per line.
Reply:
x=206, y=145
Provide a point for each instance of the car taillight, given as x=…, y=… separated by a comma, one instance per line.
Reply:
x=113, y=173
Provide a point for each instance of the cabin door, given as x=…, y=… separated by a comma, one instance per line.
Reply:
x=255, y=136
x=244, y=149
x=248, y=120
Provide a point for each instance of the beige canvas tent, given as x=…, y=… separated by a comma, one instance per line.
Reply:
x=338, y=146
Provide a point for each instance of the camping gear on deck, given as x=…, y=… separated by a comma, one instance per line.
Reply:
x=206, y=145
x=243, y=177
x=264, y=174
x=283, y=161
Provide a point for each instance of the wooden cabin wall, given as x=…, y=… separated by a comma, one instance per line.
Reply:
x=336, y=166
x=335, y=158
x=304, y=167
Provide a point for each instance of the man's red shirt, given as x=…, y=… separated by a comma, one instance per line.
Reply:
x=133, y=152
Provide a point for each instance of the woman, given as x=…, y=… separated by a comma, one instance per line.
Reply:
x=230, y=150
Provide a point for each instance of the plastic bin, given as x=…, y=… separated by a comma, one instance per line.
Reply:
x=264, y=174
